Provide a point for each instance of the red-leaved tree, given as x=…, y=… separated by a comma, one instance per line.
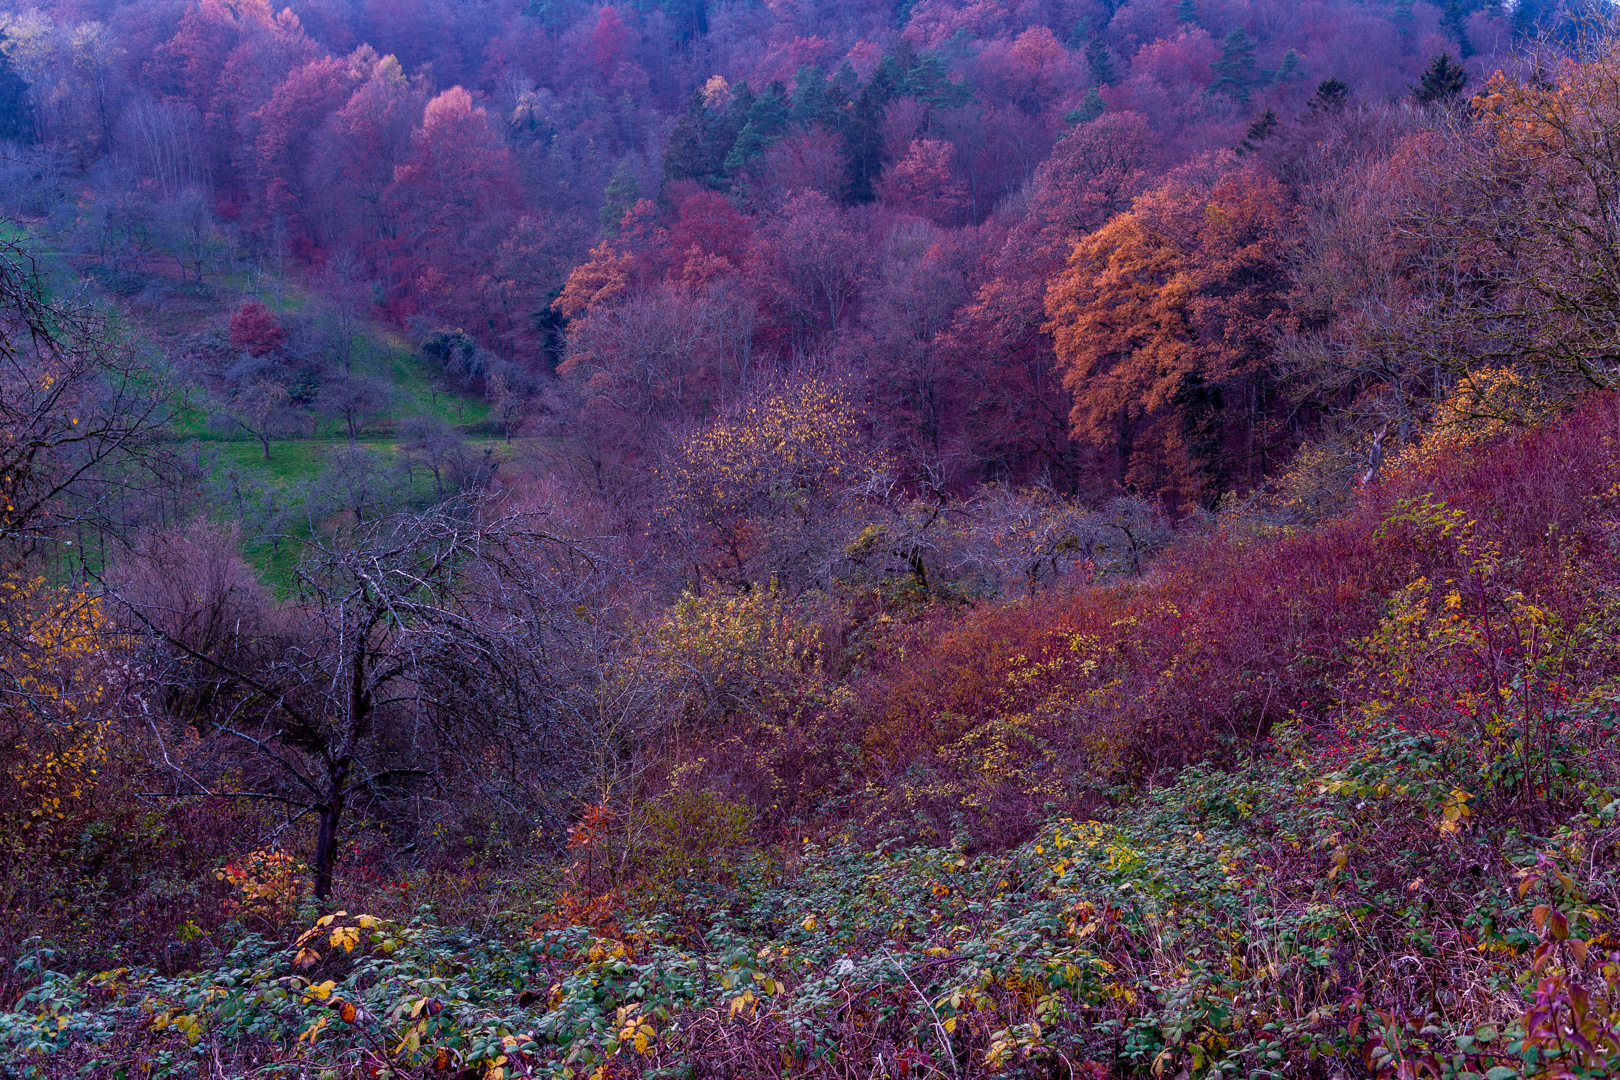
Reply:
x=255, y=329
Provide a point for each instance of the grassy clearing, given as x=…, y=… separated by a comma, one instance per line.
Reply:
x=268, y=493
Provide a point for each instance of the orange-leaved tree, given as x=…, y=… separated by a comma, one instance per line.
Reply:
x=1162, y=322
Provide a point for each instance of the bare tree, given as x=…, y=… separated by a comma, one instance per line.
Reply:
x=431, y=444
x=188, y=230
x=164, y=140
x=77, y=410
x=419, y=650
x=259, y=408
x=506, y=399
x=352, y=399
x=354, y=482
x=340, y=283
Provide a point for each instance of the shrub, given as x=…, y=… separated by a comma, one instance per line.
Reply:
x=255, y=329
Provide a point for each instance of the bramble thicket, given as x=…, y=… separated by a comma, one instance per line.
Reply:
x=1067, y=539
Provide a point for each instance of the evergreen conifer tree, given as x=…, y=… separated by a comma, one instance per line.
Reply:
x=1403, y=19
x=1289, y=68
x=698, y=146
x=1456, y=22
x=690, y=18
x=764, y=123
x=863, y=146
x=16, y=111
x=622, y=193
x=1442, y=82
x=1100, y=63
x=1331, y=98
x=815, y=99
x=1261, y=128
x=1234, y=71
x=1090, y=108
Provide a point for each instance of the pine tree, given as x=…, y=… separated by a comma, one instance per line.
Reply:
x=815, y=98
x=1289, y=67
x=1331, y=98
x=549, y=13
x=689, y=17
x=1442, y=82
x=1100, y=63
x=1533, y=18
x=683, y=153
x=1261, y=128
x=622, y=192
x=699, y=144
x=1090, y=108
x=863, y=146
x=1187, y=12
x=922, y=76
x=1403, y=18
x=765, y=123
x=1234, y=71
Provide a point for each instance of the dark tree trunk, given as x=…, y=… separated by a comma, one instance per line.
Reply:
x=331, y=813
x=340, y=764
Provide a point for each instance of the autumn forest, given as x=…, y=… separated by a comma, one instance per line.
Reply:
x=1048, y=539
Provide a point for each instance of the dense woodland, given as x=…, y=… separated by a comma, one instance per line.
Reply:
x=809, y=538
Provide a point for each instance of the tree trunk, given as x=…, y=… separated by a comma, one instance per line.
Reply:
x=331, y=813
x=337, y=775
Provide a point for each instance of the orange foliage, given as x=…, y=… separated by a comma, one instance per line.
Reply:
x=57, y=702
x=605, y=277
x=590, y=896
x=271, y=883
x=1165, y=313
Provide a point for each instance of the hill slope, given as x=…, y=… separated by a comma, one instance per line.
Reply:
x=1406, y=866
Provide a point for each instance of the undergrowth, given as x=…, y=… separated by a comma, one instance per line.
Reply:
x=1277, y=920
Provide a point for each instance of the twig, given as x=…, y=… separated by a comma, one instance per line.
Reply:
x=939, y=1026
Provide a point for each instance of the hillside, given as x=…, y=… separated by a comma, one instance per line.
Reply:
x=408, y=422
x=715, y=539
x=1405, y=859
